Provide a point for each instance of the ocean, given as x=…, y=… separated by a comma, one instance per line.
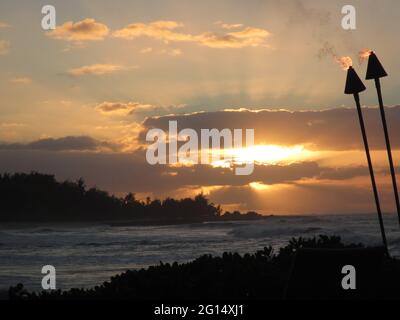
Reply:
x=88, y=255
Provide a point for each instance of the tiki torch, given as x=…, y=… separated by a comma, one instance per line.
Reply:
x=376, y=71
x=354, y=86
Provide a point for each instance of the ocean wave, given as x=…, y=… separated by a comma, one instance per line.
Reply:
x=269, y=231
x=212, y=225
x=47, y=230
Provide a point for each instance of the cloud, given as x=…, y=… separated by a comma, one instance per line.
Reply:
x=162, y=30
x=132, y=107
x=96, y=69
x=131, y=172
x=85, y=30
x=69, y=143
x=4, y=47
x=21, y=80
x=90, y=30
x=229, y=26
x=200, y=175
x=4, y=25
x=172, y=52
x=122, y=108
x=166, y=31
x=146, y=50
x=332, y=129
x=11, y=125
x=309, y=198
x=169, y=52
x=248, y=37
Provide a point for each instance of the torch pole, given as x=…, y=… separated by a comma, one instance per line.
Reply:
x=388, y=147
x=371, y=171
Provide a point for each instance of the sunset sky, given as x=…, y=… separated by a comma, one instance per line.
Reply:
x=77, y=101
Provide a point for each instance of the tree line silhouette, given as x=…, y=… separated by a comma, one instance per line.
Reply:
x=37, y=197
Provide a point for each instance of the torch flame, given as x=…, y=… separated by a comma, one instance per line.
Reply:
x=364, y=55
x=344, y=62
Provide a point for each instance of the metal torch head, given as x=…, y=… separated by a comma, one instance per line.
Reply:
x=375, y=69
x=353, y=82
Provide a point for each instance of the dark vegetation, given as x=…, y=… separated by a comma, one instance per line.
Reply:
x=39, y=197
x=262, y=275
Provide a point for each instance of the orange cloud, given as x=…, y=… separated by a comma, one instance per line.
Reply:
x=146, y=50
x=4, y=47
x=21, y=80
x=166, y=31
x=169, y=52
x=131, y=107
x=4, y=25
x=229, y=26
x=96, y=69
x=172, y=52
x=248, y=37
x=122, y=108
x=85, y=30
x=162, y=30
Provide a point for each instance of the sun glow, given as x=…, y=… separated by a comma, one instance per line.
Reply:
x=265, y=154
x=259, y=186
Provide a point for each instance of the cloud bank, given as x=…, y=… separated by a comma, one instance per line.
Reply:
x=332, y=129
x=69, y=143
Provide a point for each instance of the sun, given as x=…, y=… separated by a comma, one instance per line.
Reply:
x=258, y=186
x=265, y=155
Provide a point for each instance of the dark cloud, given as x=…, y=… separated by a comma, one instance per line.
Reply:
x=303, y=198
x=124, y=172
x=70, y=143
x=333, y=129
x=344, y=173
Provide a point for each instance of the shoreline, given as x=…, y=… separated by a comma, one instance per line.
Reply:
x=122, y=223
x=162, y=222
